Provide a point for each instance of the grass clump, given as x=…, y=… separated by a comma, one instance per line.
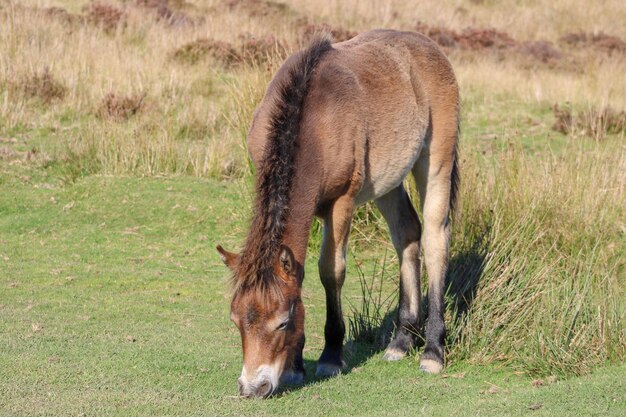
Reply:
x=592, y=122
x=251, y=51
x=194, y=51
x=44, y=86
x=120, y=107
x=104, y=15
x=543, y=289
x=371, y=322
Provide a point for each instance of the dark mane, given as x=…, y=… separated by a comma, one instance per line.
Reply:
x=275, y=173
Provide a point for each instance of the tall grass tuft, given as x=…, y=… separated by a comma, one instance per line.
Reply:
x=537, y=268
x=537, y=271
x=372, y=322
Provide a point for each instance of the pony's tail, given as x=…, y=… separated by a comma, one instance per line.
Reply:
x=455, y=178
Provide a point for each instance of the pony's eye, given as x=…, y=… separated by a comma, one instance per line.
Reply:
x=283, y=325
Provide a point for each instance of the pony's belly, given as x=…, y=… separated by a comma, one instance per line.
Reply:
x=386, y=172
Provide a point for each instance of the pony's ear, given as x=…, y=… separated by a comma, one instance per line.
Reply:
x=287, y=261
x=230, y=259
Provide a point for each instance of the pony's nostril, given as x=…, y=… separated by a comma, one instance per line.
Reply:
x=265, y=389
x=240, y=385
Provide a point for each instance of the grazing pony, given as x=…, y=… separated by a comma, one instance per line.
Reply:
x=342, y=124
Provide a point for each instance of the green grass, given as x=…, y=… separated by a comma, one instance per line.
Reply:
x=114, y=302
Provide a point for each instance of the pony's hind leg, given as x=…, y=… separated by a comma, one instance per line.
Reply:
x=404, y=228
x=332, y=268
x=434, y=178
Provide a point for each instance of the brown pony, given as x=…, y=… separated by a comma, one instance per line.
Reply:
x=340, y=125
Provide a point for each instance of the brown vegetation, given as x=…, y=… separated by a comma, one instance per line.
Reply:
x=104, y=15
x=474, y=40
x=251, y=50
x=120, y=107
x=258, y=49
x=484, y=38
x=62, y=15
x=470, y=39
x=598, y=41
x=596, y=123
x=164, y=11
x=43, y=86
x=543, y=51
x=194, y=51
x=339, y=34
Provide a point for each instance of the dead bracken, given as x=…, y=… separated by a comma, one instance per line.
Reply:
x=120, y=107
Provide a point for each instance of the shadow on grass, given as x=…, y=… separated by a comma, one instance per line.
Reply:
x=464, y=273
x=371, y=327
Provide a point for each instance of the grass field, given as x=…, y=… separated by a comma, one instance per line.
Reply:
x=114, y=303
x=123, y=164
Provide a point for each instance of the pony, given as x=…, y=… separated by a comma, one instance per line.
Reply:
x=342, y=124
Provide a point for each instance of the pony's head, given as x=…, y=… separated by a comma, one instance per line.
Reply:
x=269, y=314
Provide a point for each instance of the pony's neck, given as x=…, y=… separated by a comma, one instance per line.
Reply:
x=302, y=208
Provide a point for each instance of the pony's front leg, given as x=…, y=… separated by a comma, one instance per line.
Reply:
x=332, y=268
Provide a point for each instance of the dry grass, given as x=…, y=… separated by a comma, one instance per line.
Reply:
x=93, y=48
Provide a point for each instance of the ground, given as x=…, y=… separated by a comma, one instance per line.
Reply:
x=114, y=302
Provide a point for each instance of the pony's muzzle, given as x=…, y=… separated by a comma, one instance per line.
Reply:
x=261, y=388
